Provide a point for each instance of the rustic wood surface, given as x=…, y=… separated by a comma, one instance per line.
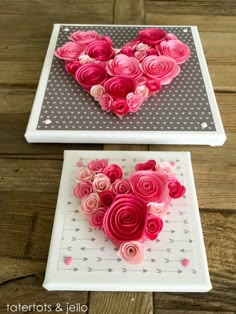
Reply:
x=30, y=173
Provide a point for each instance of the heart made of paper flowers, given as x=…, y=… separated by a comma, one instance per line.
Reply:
x=121, y=79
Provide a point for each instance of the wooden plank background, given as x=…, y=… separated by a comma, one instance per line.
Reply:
x=30, y=173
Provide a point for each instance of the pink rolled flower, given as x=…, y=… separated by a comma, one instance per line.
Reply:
x=152, y=51
x=134, y=101
x=84, y=37
x=132, y=44
x=122, y=65
x=153, y=85
x=175, y=49
x=170, y=36
x=140, y=55
x=140, y=81
x=89, y=204
x=96, y=218
x=107, y=39
x=85, y=174
x=152, y=36
x=154, y=227
x=176, y=189
x=159, y=209
x=119, y=87
x=99, y=50
x=132, y=252
x=106, y=198
x=166, y=167
x=90, y=74
x=162, y=68
x=151, y=186
x=97, y=165
x=69, y=51
x=125, y=220
x=97, y=91
x=120, y=107
x=148, y=165
x=72, y=67
x=82, y=189
x=143, y=91
x=120, y=186
x=142, y=47
x=113, y=172
x=105, y=102
x=101, y=182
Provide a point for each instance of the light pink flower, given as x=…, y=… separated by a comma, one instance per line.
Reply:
x=159, y=209
x=101, y=183
x=119, y=87
x=151, y=186
x=141, y=47
x=176, y=189
x=125, y=219
x=166, y=167
x=97, y=91
x=140, y=81
x=140, y=55
x=106, y=198
x=90, y=74
x=134, y=101
x=105, y=102
x=69, y=51
x=85, y=174
x=143, y=91
x=96, y=218
x=154, y=227
x=132, y=252
x=113, y=172
x=162, y=68
x=175, y=49
x=82, y=189
x=72, y=67
x=84, y=37
x=84, y=59
x=152, y=36
x=170, y=36
x=123, y=65
x=97, y=165
x=121, y=186
x=120, y=107
x=89, y=204
x=100, y=50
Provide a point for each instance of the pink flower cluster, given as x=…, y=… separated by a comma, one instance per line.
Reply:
x=121, y=79
x=128, y=210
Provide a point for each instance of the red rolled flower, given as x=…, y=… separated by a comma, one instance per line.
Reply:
x=148, y=165
x=100, y=50
x=176, y=189
x=154, y=227
x=113, y=172
x=90, y=74
x=72, y=67
x=120, y=107
x=106, y=198
x=152, y=36
x=119, y=87
x=125, y=220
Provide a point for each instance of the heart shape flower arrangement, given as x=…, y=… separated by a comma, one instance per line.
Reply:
x=121, y=79
x=128, y=210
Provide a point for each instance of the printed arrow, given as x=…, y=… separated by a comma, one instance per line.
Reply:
x=68, y=203
x=99, y=269
x=84, y=259
x=152, y=250
x=182, y=213
x=69, y=248
x=83, y=239
x=92, y=248
x=194, y=271
x=90, y=229
x=170, y=221
x=188, y=241
x=72, y=211
x=74, y=269
x=171, y=231
x=186, y=231
x=99, y=259
x=184, y=250
x=170, y=260
x=74, y=229
x=152, y=260
x=159, y=271
x=106, y=239
x=78, y=219
x=157, y=240
x=168, y=213
x=124, y=270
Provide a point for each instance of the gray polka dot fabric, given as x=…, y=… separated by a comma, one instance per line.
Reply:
x=182, y=105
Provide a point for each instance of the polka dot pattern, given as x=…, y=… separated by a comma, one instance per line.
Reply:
x=182, y=105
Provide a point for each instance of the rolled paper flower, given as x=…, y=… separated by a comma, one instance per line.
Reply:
x=123, y=65
x=170, y=36
x=148, y=165
x=128, y=51
x=96, y=218
x=82, y=189
x=101, y=182
x=91, y=74
x=162, y=68
x=89, y=204
x=121, y=186
x=113, y=172
x=84, y=37
x=120, y=107
x=159, y=209
x=105, y=102
x=152, y=36
x=166, y=167
x=84, y=59
x=176, y=189
x=85, y=174
x=152, y=51
x=107, y=39
x=119, y=87
x=140, y=81
x=125, y=220
x=143, y=91
x=151, y=186
x=72, y=67
x=134, y=101
x=154, y=227
x=99, y=50
x=97, y=165
x=153, y=85
x=69, y=51
x=106, y=198
x=175, y=49
x=142, y=47
x=132, y=252
x=97, y=91
x=140, y=55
